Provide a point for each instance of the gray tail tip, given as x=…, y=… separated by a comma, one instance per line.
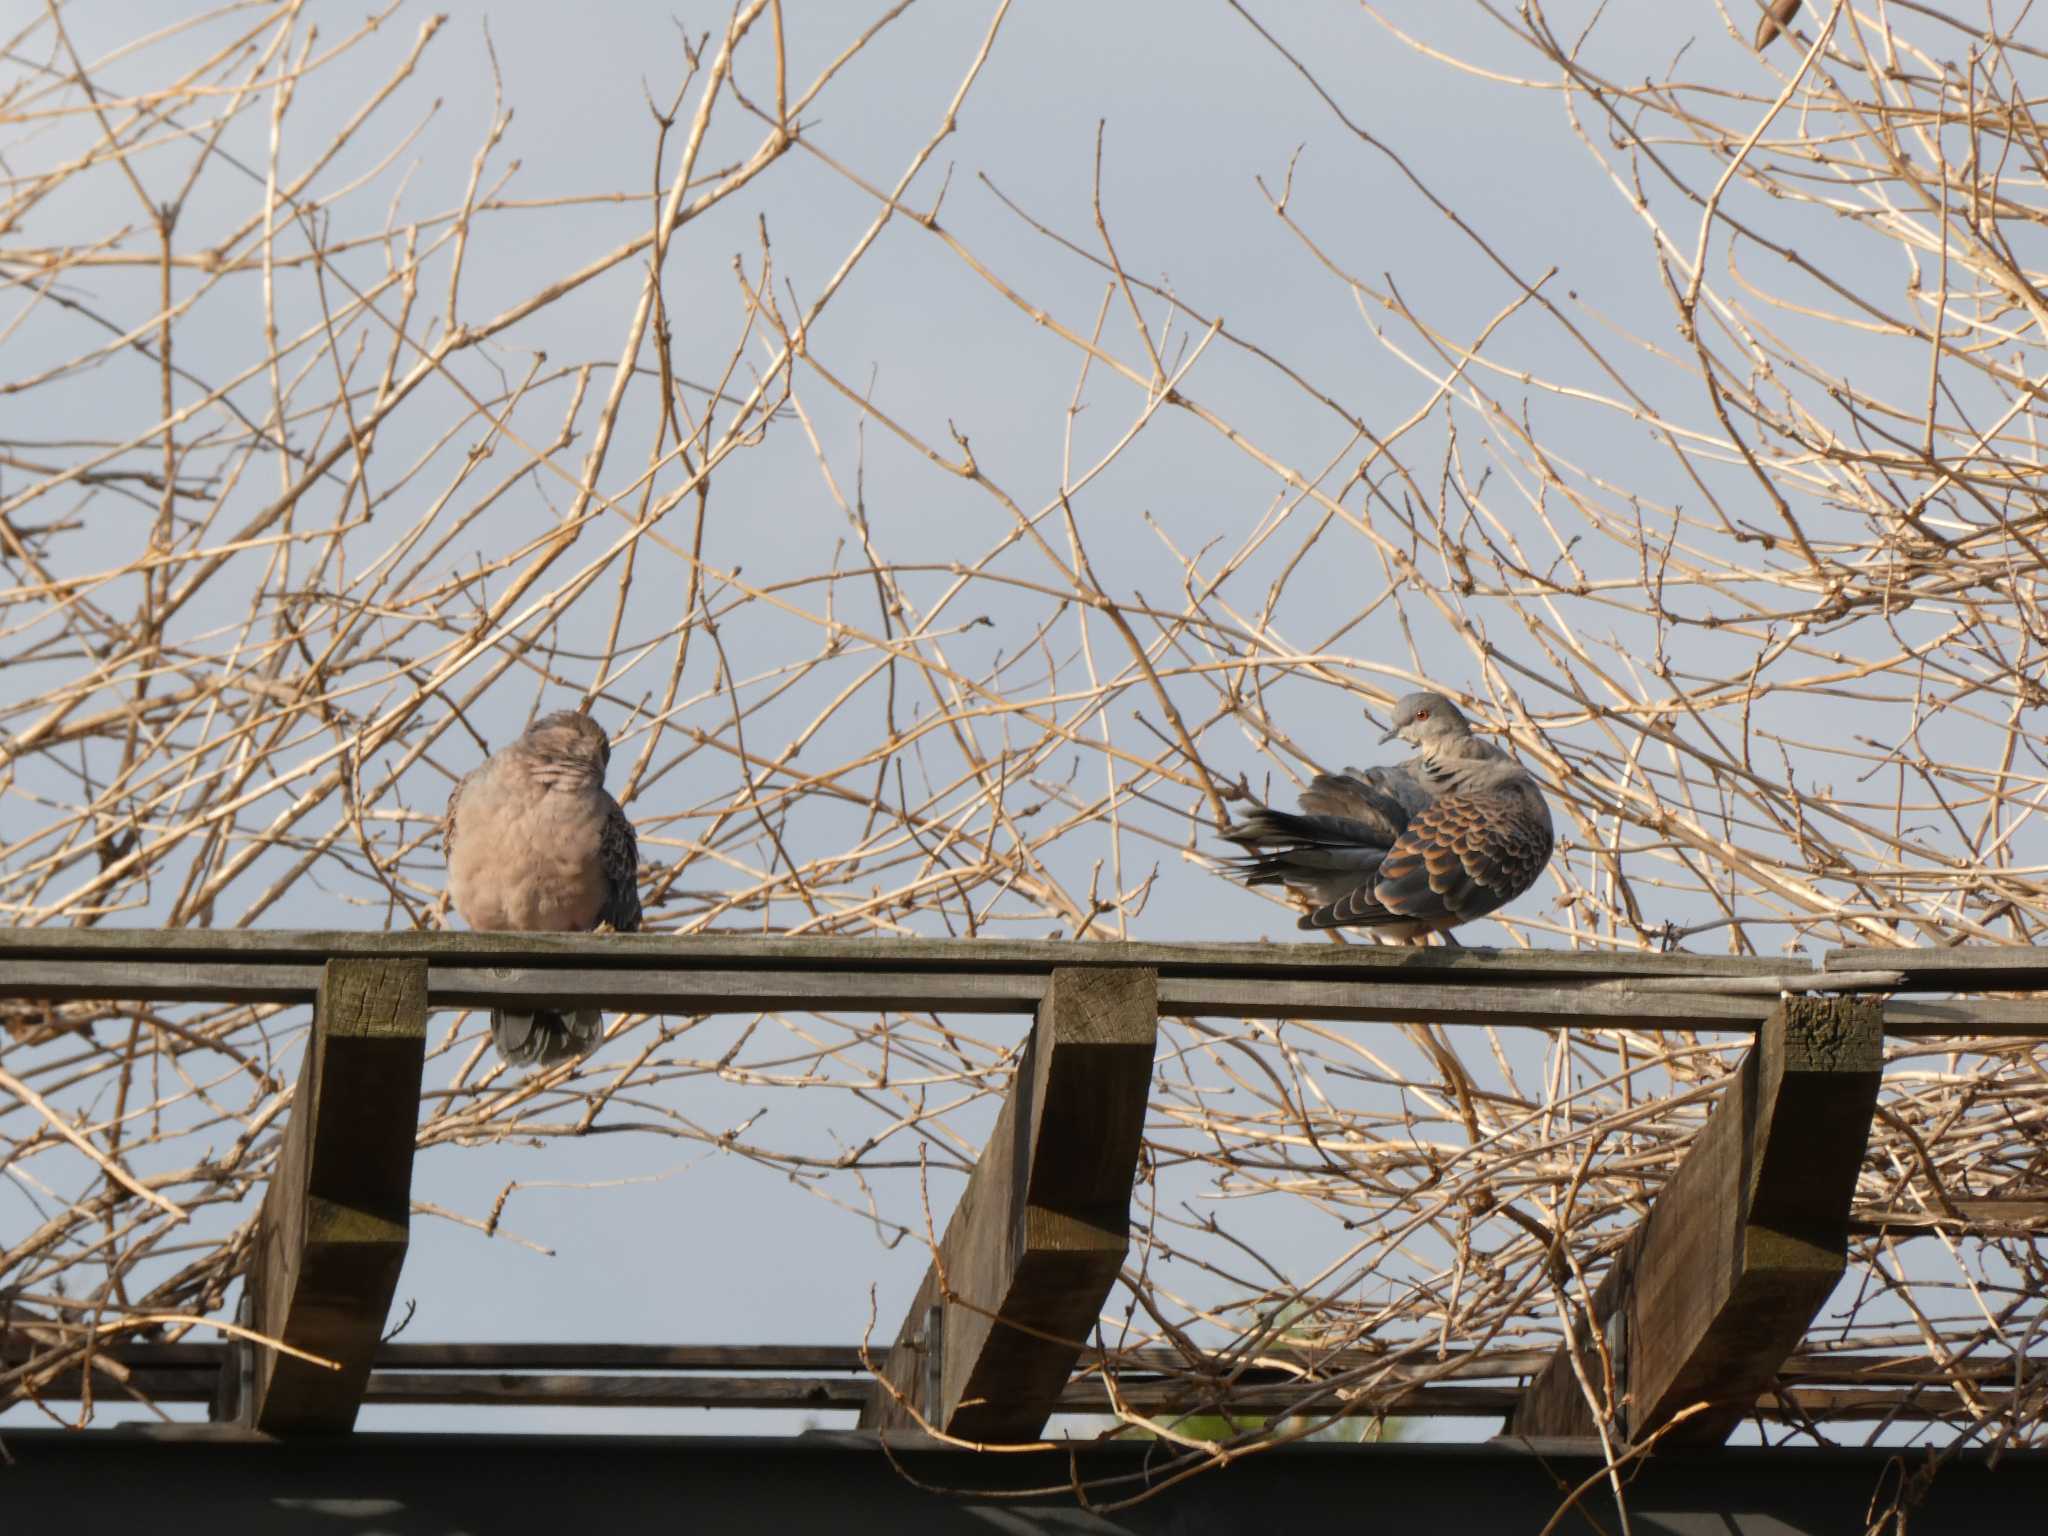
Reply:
x=543, y=1038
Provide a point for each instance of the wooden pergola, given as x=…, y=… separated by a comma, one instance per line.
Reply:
x=1695, y=1326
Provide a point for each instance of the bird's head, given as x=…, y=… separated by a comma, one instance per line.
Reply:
x=1422, y=718
x=571, y=741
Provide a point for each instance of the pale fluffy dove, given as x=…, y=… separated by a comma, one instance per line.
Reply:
x=535, y=845
x=1454, y=833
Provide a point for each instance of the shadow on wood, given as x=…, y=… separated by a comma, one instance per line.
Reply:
x=332, y=1235
x=1742, y=1247
x=1041, y=1229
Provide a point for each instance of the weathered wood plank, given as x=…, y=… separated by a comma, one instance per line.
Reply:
x=1160, y=1398
x=332, y=1234
x=1993, y=1215
x=506, y=1356
x=1390, y=1001
x=1973, y=968
x=502, y=1389
x=693, y=990
x=1741, y=1248
x=1994, y=1018
x=827, y=1393
x=1042, y=1227
x=722, y=973
x=718, y=950
x=1839, y=1385
x=817, y=1393
x=1282, y=1366
x=1903, y=1403
x=620, y=1357
x=849, y=1393
x=156, y=981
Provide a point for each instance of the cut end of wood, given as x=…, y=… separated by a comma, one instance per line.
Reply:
x=1831, y=1034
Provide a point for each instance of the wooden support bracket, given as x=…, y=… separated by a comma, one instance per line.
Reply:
x=332, y=1235
x=1042, y=1228
x=1741, y=1249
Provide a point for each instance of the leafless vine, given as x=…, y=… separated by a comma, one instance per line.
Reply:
x=302, y=506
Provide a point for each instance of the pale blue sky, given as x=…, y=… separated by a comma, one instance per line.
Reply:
x=1195, y=111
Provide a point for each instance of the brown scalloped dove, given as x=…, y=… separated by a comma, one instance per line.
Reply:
x=536, y=845
x=1458, y=831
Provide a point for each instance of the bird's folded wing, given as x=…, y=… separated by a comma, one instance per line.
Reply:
x=448, y=816
x=1376, y=799
x=619, y=852
x=1462, y=857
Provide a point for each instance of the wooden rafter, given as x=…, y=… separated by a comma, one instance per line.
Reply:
x=1716, y=1287
x=333, y=1231
x=1042, y=1227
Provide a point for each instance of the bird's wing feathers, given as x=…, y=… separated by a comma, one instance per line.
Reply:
x=618, y=850
x=448, y=816
x=1460, y=858
x=1374, y=798
x=1405, y=784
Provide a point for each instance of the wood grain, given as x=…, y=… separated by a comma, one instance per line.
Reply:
x=1718, y=1284
x=703, y=974
x=1975, y=968
x=1042, y=1226
x=669, y=951
x=335, y=1222
x=1851, y=1392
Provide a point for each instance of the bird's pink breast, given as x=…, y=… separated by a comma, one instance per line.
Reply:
x=526, y=862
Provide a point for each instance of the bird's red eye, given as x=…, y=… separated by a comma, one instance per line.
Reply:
x=1422, y=714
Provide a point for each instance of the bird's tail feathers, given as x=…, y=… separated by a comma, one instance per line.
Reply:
x=1326, y=856
x=543, y=1038
x=1263, y=824
x=1305, y=850
x=1310, y=868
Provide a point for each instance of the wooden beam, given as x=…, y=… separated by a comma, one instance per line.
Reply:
x=1041, y=1229
x=1742, y=1247
x=1994, y=1018
x=332, y=1234
x=1296, y=1369
x=719, y=950
x=1388, y=998
x=1337, y=997
x=1980, y=1216
x=1916, y=1401
x=1970, y=968
x=181, y=1480
x=715, y=973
